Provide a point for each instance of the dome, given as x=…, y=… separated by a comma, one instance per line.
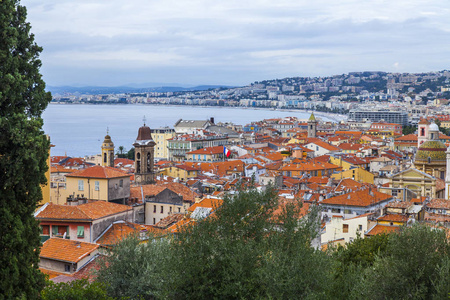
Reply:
x=435, y=150
x=144, y=134
x=107, y=139
x=433, y=127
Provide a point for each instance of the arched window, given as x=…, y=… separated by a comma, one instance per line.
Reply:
x=138, y=166
x=105, y=158
x=149, y=165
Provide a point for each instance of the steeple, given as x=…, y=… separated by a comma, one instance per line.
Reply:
x=447, y=175
x=107, y=151
x=312, y=126
x=144, y=153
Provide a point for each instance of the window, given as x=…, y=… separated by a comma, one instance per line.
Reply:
x=162, y=209
x=170, y=209
x=80, y=185
x=45, y=229
x=97, y=185
x=360, y=227
x=336, y=210
x=121, y=183
x=347, y=211
x=179, y=209
x=67, y=268
x=80, y=231
x=104, y=158
x=345, y=228
x=54, y=230
x=154, y=221
x=154, y=209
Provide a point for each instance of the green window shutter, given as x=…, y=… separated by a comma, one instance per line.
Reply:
x=80, y=231
x=54, y=230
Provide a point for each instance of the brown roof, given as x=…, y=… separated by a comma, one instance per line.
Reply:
x=88, y=211
x=439, y=204
x=155, y=189
x=99, y=172
x=121, y=230
x=144, y=134
x=393, y=218
x=66, y=250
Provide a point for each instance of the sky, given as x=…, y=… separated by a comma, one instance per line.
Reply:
x=234, y=42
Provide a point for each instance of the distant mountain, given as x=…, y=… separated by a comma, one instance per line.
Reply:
x=96, y=90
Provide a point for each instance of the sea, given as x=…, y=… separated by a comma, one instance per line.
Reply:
x=78, y=130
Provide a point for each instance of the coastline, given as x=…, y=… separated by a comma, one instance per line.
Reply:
x=334, y=117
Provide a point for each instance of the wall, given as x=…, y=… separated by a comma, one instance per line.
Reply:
x=98, y=226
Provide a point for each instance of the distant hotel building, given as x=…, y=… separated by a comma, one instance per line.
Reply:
x=397, y=117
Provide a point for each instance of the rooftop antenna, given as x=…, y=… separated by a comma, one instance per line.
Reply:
x=144, y=119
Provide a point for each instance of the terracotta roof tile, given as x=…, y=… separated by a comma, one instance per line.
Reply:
x=99, y=172
x=358, y=198
x=66, y=250
x=379, y=229
x=88, y=211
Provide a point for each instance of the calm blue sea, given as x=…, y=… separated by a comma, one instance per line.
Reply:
x=78, y=130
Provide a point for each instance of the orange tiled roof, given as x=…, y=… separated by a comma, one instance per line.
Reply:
x=88, y=211
x=99, y=172
x=439, y=204
x=379, y=229
x=322, y=144
x=121, y=230
x=358, y=198
x=393, y=218
x=207, y=202
x=208, y=150
x=66, y=250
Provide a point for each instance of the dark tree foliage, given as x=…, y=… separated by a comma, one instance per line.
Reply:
x=75, y=290
x=411, y=268
x=23, y=153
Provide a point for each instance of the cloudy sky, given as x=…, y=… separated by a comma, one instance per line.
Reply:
x=234, y=42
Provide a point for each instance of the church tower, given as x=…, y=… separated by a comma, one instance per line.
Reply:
x=447, y=176
x=144, y=151
x=312, y=126
x=107, y=152
x=422, y=134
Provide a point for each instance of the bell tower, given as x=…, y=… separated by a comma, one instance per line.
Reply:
x=107, y=151
x=312, y=126
x=144, y=151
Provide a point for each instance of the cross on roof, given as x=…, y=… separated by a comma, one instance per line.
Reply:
x=144, y=119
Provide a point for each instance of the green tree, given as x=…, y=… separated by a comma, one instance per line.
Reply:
x=244, y=252
x=23, y=152
x=75, y=290
x=120, y=153
x=130, y=153
x=351, y=261
x=411, y=269
x=135, y=271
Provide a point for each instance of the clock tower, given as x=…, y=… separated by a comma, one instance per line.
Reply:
x=144, y=150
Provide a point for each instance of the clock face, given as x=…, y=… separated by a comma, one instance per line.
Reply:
x=137, y=178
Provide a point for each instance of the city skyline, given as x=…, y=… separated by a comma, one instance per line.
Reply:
x=233, y=43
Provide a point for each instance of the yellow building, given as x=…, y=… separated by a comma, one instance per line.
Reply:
x=417, y=182
x=160, y=136
x=349, y=162
x=98, y=183
x=181, y=172
x=108, y=152
x=357, y=174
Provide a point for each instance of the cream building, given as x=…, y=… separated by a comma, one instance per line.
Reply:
x=160, y=136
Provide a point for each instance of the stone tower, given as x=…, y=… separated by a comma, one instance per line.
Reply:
x=422, y=134
x=144, y=151
x=107, y=152
x=312, y=126
x=447, y=175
